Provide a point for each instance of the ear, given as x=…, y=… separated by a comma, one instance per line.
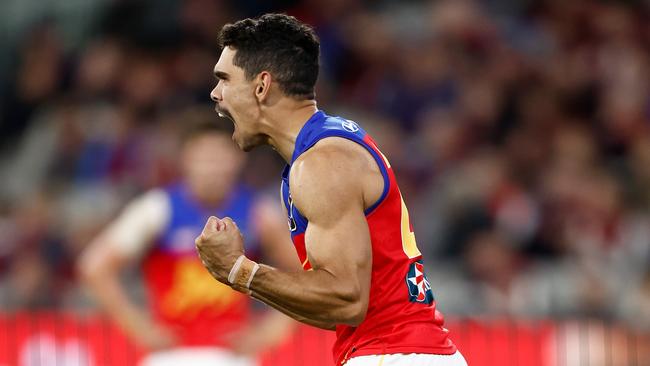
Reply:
x=262, y=85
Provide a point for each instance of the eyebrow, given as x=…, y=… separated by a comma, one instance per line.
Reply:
x=220, y=75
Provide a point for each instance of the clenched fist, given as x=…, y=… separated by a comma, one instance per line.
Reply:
x=219, y=246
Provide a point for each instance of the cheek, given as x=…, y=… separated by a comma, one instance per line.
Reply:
x=242, y=101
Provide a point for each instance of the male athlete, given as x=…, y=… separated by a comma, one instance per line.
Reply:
x=363, y=273
x=193, y=321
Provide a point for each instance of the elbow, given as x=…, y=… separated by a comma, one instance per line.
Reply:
x=356, y=314
x=353, y=311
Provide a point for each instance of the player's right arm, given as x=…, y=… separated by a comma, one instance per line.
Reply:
x=332, y=184
x=120, y=245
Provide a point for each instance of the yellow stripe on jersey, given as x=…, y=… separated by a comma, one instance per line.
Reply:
x=408, y=237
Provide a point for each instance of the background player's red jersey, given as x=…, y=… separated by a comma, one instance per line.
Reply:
x=182, y=294
x=402, y=315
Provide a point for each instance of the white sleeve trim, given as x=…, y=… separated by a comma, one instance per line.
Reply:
x=139, y=224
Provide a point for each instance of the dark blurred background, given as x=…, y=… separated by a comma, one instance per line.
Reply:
x=519, y=132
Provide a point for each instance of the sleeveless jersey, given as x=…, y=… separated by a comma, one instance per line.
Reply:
x=183, y=295
x=401, y=315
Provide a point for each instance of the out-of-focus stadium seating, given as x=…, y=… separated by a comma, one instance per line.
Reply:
x=519, y=131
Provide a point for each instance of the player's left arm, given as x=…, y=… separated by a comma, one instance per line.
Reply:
x=327, y=186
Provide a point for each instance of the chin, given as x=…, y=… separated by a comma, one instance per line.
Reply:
x=248, y=144
x=240, y=143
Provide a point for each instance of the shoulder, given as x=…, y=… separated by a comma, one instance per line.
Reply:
x=150, y=209
x=329, y=175
x=141, y=221
x=332, y=152
x=152, y=200
x=330, y=159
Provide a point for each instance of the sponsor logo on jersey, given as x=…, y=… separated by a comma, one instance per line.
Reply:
x=350, y=126
x=418, y=285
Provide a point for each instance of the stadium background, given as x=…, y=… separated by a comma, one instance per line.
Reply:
x=519, y=130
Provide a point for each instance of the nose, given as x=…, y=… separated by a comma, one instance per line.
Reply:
x=215, y=95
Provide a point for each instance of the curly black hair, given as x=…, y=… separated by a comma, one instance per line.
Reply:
x=277, y=43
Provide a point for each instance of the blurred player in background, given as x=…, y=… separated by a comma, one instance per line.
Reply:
x=364, y=274
x=194, y=319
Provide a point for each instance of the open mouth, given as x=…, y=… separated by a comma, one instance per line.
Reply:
x=223, y=113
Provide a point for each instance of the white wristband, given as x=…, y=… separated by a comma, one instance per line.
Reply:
x=250, y=279
x=235, y=269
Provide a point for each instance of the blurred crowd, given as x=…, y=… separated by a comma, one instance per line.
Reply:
x=519, y=131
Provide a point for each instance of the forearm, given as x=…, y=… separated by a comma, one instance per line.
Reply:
x=334, y=292
x=314, y=297
x=300, y=318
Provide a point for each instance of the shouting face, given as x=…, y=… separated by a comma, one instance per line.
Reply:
x=235, y=99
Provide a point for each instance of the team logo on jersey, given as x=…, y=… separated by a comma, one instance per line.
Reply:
x=350, y=126
x=418, y=285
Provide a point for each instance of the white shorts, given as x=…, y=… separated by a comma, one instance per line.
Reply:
x=196, y=356
x=411, y=359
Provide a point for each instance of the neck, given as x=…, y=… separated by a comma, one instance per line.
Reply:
x=285, y=123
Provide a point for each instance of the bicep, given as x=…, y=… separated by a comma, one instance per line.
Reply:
x=337, y=238
x=339, y=244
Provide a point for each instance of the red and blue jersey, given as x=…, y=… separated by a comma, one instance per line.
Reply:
x=401, y=315
x=182, y=294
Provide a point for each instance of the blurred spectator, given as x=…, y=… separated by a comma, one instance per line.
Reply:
x=35, y=82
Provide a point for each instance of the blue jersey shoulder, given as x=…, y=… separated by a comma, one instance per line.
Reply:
x=320, y=126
